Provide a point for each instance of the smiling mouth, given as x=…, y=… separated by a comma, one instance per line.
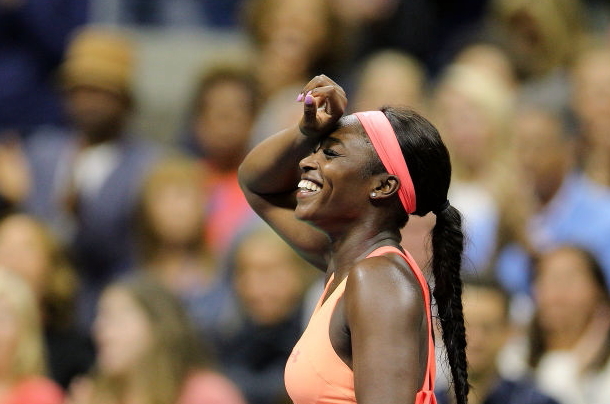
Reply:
x=306, y=186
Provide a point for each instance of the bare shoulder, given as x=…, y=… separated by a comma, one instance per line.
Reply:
x=384, y=286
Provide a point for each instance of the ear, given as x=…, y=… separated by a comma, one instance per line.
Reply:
x=386, y=185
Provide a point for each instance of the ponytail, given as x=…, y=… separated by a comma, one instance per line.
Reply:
x=430, y=170
x=447, y=246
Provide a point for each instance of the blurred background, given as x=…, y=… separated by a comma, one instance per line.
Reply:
x=132, y=269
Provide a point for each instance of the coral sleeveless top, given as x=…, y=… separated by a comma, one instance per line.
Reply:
x=314, y=372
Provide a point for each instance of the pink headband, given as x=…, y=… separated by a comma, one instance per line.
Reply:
x=378, y=128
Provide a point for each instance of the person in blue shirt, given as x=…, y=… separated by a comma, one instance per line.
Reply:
x=564, y=205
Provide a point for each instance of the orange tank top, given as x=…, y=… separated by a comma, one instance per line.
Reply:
x=314, y=372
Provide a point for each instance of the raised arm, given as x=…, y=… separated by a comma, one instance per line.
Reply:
x=270, y=173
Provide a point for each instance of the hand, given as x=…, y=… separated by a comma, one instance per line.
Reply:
x=324, y=102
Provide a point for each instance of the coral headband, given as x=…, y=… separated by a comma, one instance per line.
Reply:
x=378, y=128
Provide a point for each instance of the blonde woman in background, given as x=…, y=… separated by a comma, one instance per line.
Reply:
x=472, y=107
x=22, y=361
x=28, y=248
x=148, y=353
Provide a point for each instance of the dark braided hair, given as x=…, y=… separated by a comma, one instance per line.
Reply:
x=430, y=169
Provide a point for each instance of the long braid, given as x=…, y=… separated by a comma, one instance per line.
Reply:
x=447, y=244
x=430, y=169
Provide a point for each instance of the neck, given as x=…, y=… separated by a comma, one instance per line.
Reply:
x=354, y=245
x=481, y=384
x=564, y=339
x=547, y=189
x=93, y=137
x=172, y=260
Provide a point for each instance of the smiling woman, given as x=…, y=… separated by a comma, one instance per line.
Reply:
x=338, y=190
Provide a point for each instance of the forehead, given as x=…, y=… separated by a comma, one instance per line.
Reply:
x=350, y=130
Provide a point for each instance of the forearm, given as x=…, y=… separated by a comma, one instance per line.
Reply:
x=272, y=167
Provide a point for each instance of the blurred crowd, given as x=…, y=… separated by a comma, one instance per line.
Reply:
x=132, y=269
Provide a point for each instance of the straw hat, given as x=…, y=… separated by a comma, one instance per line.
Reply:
x=99, y=58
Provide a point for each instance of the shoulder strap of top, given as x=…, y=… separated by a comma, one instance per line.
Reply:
x=431, y=366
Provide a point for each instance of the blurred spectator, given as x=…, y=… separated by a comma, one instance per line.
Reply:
x=28, y=248
x=270, y=281
x=173, y=249
x=591, y=104
x=562, y=205
x=390, y=78
x=225, y=105
x=491, y=59
x=569, y=344
x=22, y=362
x=86, y=178
x=292, y=40
x=472, y=108
x=486, y=315
x=542, y=39
x=148, y=353
x=33, y=36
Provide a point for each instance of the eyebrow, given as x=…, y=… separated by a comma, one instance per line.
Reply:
x=334, y=140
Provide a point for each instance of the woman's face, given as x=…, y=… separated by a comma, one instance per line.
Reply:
x=223, y=124
x=333, y=188
x=23, y=250
x=268, y=279
x=122, y=333
x=176, y=212
x=9, y=334
x=466, y=128
x=295, y=30
x=565, y=291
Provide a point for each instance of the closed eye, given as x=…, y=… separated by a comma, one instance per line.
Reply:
x=330, y=153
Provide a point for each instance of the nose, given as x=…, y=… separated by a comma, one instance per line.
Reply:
x=308, y=163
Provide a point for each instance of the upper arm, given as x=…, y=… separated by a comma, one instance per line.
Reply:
x=388, y=328
x=278, y=211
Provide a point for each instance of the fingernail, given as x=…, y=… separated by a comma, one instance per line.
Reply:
x=300, y=97
x=309, y=99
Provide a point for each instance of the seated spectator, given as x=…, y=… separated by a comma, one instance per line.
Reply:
x=542, y=39
x=390, y=77
x=292, y=40
x=568, y=349
x=171, y=240
x=22, y=364
x=270, y=281
x=486, y=315
x=86, y=178
x=148, y=353
x=561, y=204
x=472, y=108
x=224, y=108
x=28, y=248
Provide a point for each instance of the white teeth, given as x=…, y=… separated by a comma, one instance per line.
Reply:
x=308, y=185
